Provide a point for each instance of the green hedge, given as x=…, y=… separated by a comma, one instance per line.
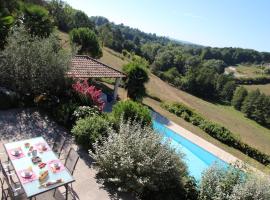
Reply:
x=253, y=81
x=90, y=129
x=215, y=130
x=131, y=110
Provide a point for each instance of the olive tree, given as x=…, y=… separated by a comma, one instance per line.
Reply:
x=230, y=183
x=135, y=159
x=33, y=65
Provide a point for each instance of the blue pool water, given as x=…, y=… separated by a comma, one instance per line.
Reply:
x=196, y=158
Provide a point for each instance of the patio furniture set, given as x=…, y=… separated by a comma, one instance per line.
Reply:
x=34, y=167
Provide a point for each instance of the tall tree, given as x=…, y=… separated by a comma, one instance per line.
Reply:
x=258, y=113
x=63, y=14
x=248, y=106
x=137, y=77
x=227, y=91
x=87, y=40
x=8, y=9
x=82, y=20
x=238, y=97
x=37, y=20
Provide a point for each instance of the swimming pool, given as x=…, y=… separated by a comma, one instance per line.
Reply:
x=196, y=158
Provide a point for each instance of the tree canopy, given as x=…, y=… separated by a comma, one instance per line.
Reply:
x=37, y=20
x=87, y=40
x=137, y=76
x=33, y=65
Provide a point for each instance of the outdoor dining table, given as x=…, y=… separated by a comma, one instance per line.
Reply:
x=32, y=186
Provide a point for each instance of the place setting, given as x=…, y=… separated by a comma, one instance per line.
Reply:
x=56, y=166
x=42, y=147
x=16, y=153
x=27, y=175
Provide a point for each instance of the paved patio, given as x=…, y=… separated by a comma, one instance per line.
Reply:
x=18, y=124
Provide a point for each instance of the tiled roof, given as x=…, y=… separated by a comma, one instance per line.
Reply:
x=87, y=67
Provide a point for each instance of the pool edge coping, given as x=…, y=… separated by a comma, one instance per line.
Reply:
x=204, y=144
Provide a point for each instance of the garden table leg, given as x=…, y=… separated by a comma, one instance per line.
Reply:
x=66, y=186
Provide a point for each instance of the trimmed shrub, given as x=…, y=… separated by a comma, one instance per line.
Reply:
x=216, y=131
x=135, y=159
x=89, y=130
x=131, y=110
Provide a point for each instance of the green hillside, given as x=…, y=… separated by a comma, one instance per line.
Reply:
x=249, y=131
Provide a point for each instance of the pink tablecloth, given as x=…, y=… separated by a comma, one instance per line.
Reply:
x=52, y=168
x=26, y=180
x=39, y=145
x=12, y=157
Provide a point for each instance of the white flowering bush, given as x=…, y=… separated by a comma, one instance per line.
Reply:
x=220, y=183
x=135, y=159
x=217, y=182
x=254, y=188
x=86, y=111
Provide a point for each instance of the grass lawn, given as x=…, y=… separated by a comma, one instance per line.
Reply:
x=64, y=39
x=263, y=88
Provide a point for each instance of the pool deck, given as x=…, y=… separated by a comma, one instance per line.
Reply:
x=218, y=152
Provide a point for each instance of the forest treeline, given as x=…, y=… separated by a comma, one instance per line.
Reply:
x=196, y=69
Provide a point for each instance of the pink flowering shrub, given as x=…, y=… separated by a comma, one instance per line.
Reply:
x=89, y=94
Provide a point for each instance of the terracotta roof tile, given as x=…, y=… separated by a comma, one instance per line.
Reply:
x=87, y=67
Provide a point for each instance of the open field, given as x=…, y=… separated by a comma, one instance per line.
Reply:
x=263, y=88
x=249, y=131
x=246, y=71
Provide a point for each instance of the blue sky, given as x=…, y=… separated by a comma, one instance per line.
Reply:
x=219, y=23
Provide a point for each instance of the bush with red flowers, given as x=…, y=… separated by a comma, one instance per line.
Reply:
x=88, y=94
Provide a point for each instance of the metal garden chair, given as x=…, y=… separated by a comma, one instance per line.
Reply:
x=58, y=145
x=13, y=189
x=71, y=160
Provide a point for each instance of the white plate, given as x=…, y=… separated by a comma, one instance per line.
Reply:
x=16, y=154
x=56, y=167
x=26, y=176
